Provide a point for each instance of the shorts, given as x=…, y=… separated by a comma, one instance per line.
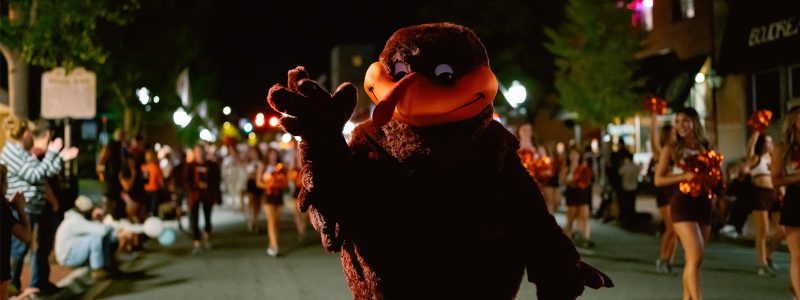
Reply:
x=253, y=189
x=763, y=198
x=685, y=208
x=274, y=199
x=552, y=182
x=577, y=197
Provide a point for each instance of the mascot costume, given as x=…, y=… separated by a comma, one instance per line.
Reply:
x=429, y=200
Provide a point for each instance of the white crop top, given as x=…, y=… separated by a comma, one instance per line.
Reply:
x=762, y=168
x=676, y=170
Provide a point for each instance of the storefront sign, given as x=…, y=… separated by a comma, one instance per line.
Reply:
x=774, y=31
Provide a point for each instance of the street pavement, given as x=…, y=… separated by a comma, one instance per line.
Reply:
x=238, y=267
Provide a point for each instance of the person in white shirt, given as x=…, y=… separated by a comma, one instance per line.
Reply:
x=81, y=240
x=629, y=173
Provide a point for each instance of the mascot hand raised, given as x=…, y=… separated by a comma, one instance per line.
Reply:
x=309, y=109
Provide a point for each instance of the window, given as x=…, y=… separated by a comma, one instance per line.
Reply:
x=767, y=94
x=682, y=9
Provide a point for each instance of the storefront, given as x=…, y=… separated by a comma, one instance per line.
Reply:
x=762, y=42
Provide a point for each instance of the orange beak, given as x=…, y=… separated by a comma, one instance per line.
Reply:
x=418, y=101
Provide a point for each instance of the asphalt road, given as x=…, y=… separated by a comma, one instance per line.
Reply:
x=239, y=268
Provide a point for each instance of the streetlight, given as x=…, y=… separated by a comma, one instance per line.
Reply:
x=181, y=118
x=143, y=94
x=515, y=94
x=226, y=110
x=207, y=136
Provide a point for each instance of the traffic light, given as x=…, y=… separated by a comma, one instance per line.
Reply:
x=259, y=121
x=273, y=121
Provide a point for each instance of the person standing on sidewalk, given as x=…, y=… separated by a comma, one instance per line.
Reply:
x=764, y=195
x=629, y=173
x=785, y=171
x=154, y=181
x=109, y=165
x=199, y=178
x=10, y=225
x=691, y=216
x=26, y=174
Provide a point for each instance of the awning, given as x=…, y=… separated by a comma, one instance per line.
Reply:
x=760, y=35
x=670, y=78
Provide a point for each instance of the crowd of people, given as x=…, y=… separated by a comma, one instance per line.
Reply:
x=141, y=181
x=761, y=187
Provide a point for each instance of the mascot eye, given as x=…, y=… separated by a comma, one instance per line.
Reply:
x=444, y=73
x=400, y=70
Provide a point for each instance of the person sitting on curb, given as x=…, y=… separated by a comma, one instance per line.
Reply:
x=81, y=239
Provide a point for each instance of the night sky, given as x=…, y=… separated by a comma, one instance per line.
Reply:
x=254, y=43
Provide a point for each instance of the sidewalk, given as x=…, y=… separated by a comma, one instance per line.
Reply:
x=74, y=281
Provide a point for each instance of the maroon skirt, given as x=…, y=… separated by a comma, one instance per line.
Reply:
x=763, y=198
x=685, y=208
x=664, y=194
x=790, y=213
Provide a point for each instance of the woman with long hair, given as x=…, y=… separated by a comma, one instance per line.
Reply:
x=659, y=138
x=539, y=165
x=759, y=158
x=785, y=171
x=691, y=216
x=252, y=191
x=272, y=177
x=578, y=178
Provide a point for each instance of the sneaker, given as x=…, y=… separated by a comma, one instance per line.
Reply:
x=771, y=266
x=765, y=272
x=661, y=267
x=206, y=241
x=729, y=231
x=196, y=250
x=49, y=289
x=273, y=252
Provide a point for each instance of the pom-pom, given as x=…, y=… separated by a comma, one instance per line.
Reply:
x=542, y=169
x=707, y=167
x=759, y=121
x=656, y=105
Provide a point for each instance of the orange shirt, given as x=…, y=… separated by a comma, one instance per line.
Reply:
x=155, y=179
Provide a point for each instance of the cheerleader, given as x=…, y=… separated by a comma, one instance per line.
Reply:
x=691, y=216
x=578, y=177
x=669, y=241
x=784, y=172
x=763, y=195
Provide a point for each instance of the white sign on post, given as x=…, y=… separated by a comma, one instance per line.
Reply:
x=71, y=96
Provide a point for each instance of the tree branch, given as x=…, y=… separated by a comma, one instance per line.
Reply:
x=32, y=13
x=7, y=53
x=120, y=97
